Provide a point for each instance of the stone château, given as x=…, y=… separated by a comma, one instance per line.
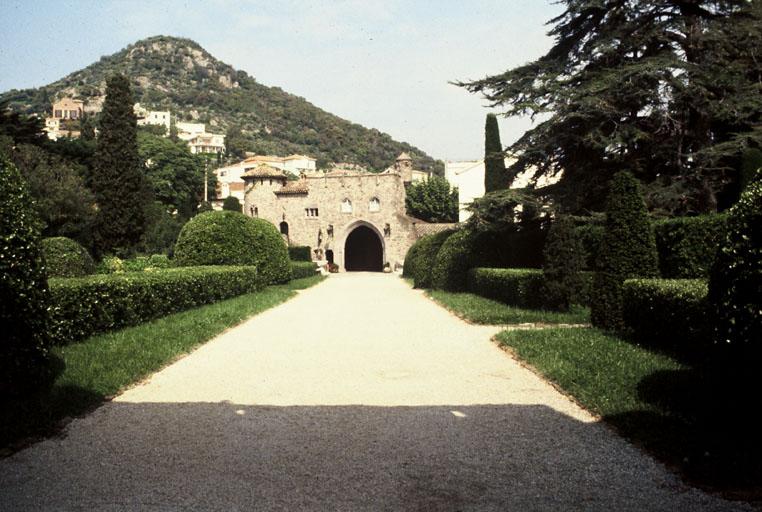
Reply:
x=351, y=218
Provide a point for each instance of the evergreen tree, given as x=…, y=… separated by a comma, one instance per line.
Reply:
x=564, y=259
x=735, y=284
x=24, y=295
x=495, y=175
x=669, y=89
x=627, y=250
x=87, y=127
x=118, y=180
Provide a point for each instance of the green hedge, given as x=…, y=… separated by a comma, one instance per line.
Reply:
x=232, y=238
x=453, y=260
x=300, y=269
x=520, y=287
x=688, y=245
x=411, y=258
x=425, y=257
x=667, y=313
x=114, y=265
x=64, y=257
x=299, y=253
x=590, y=235
x=83, y=306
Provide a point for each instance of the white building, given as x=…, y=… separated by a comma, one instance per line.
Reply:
x=468, y=176
x=152, y=117
x=199, y=140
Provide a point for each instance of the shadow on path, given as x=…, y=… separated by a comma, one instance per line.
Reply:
x=224, y=456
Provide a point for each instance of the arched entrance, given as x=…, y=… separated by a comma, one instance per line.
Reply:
x=363, y=251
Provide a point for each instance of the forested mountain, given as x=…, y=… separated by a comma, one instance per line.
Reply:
x=175, y=74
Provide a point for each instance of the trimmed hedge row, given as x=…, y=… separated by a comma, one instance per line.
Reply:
x=300, y=269
x=521, y=287
x=667, y=313
x=83, y=306
x=687, y=246
x=299, y=253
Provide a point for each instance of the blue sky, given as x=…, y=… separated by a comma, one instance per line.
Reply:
x=383, y=64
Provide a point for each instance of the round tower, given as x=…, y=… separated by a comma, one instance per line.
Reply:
x=404, y=166
x=260, y=184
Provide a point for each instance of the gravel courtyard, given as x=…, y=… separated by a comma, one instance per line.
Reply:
x=359, y=394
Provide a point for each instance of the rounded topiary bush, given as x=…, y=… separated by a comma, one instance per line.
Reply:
x=231, y=238
x=735, y=283
x=24, y=295
x=426, y=257
x=453, y=260
x=627, y=250
x=64, y=257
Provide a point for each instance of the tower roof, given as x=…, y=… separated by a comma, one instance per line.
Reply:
x=403, y=156
x=264, y=171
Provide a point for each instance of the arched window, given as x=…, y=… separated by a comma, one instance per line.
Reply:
x=374, y=205
x=346, y=206
x=284, y=228
x=254, y=211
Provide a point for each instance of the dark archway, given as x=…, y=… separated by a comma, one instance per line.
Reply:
x=363, y=251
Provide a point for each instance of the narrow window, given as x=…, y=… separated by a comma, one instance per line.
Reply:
x=374, y=205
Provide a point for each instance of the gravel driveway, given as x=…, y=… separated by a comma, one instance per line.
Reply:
x=359, y=394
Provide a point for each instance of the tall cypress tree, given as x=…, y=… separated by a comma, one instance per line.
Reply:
x=495, y=177
x=119, y=182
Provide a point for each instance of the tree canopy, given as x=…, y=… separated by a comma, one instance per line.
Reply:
x=670, y=89
x=432, y=200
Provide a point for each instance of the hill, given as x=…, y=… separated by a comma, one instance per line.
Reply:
x=169, y=73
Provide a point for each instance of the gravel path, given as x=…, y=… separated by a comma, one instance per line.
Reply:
x=359, y=394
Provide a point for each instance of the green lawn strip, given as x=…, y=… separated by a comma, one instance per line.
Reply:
x=100, y=366
x=480, y=310
x=676, y=412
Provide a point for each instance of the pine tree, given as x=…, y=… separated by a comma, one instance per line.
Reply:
x=564, y=259
x=118, y=181
x=24, y=295
x=495, y=176
x=669, y=89
x=627, y=250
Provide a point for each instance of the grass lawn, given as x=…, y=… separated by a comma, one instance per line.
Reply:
x=100, y=366
x=480, y=310
x=692, y=418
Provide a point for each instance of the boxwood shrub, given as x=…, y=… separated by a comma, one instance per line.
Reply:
x=64, y=257
x=521, y=287
x=627, y=250
x=688, y=245
x=408, y=267
x=113, y=265
x=453, y=260
x=300, y=269
x=83, y=306
x=299, y=253
x=425, y=257
x=668, y=313
x=232, y=238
